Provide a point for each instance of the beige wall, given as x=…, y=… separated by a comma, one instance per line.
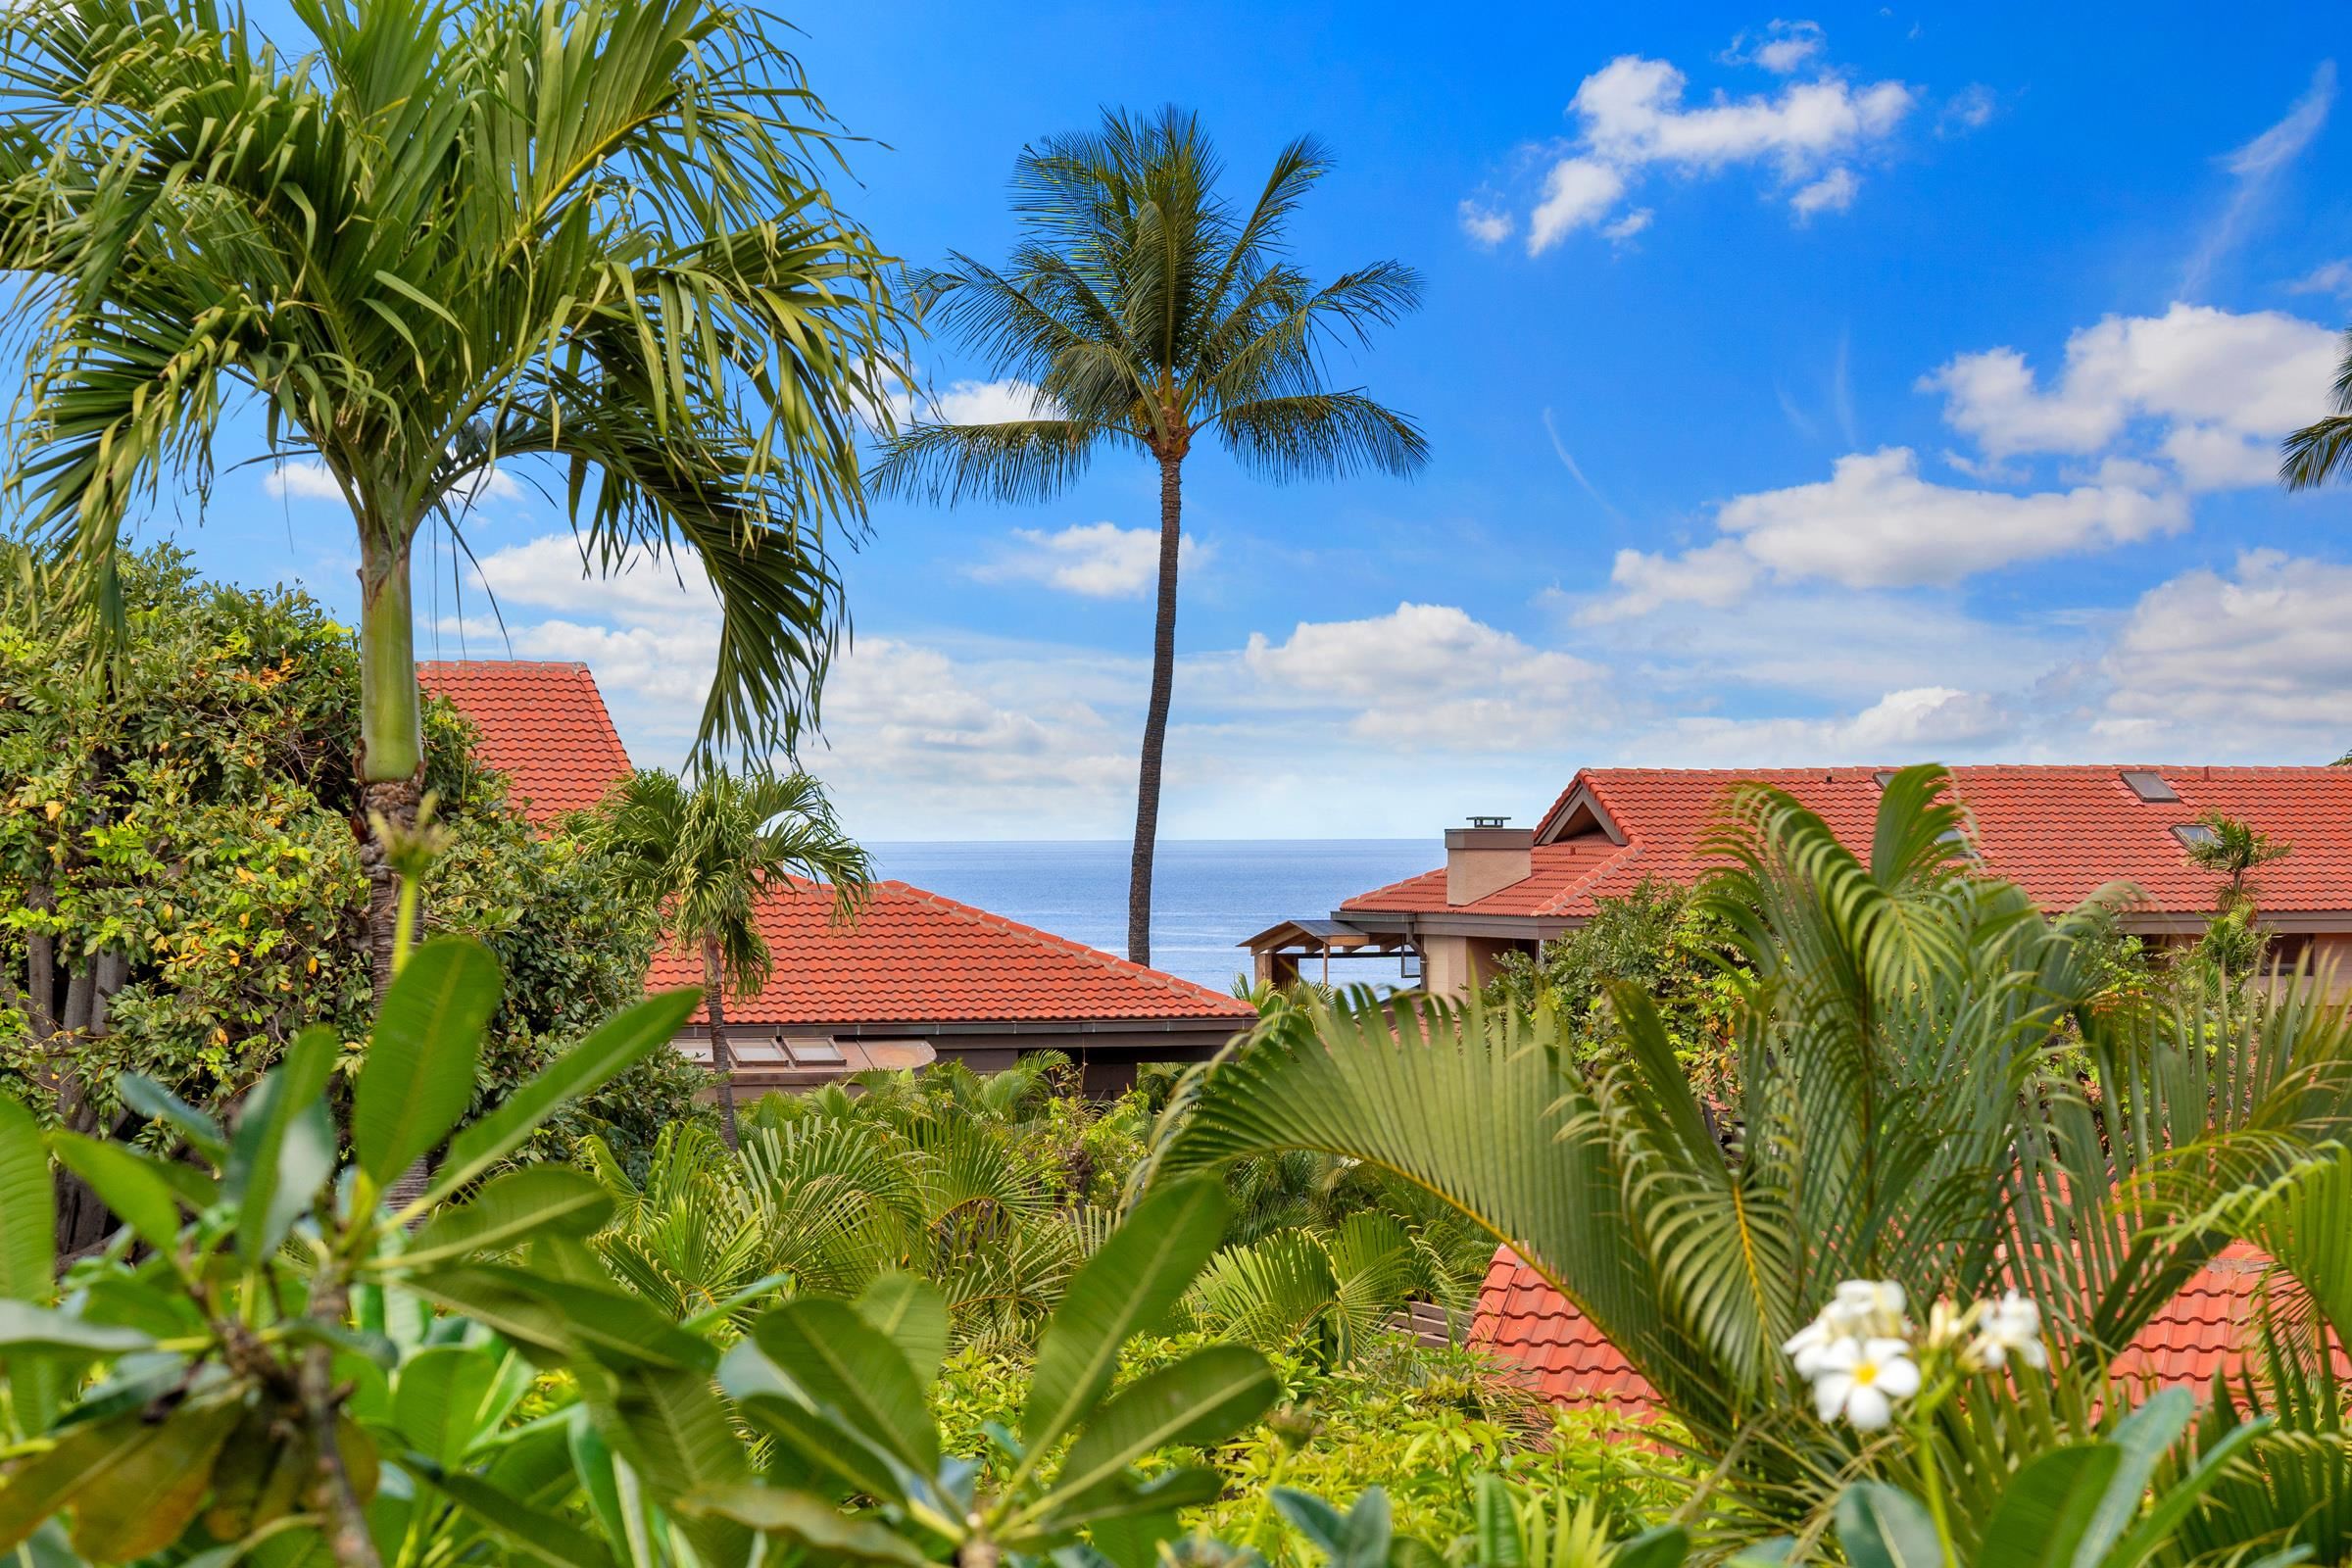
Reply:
x=1456, y=966
x=2331, y=960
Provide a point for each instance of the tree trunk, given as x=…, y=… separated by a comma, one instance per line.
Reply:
x=391, y=757
x=723, y=1060
x=1156, y=715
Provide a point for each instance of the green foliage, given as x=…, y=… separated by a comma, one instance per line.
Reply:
x=1660, y=937
x=177, y=854
x=440, y=239
x=1894, y=1121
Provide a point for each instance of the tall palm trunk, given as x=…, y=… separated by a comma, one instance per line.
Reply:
x=1156, y=717
x=723, y=1060
x=391, y=760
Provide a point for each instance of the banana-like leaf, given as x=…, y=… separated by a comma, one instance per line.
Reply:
x=284, y=1147
x=519, y=1206
x=1126, y=1288
x=1201, y=1399
x=420, y=1072
x=2140, y=1441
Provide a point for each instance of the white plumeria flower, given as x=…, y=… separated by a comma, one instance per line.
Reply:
x=1809, y=1343
x=1870, y=1309
x=2010, y=1326
x=1861, y=1379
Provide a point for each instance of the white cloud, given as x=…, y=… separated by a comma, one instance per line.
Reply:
x=2217, y=381
x=2328, y=277
x=1717, y=575
x=1876, y=523
x=962, y=402
x=1096, y=559
x=2252, y=661
x=1970, y=109
x=1833, y=192
x=308, y=479
x=1488, y=227
x=1917, y=723
x=2255, y=168
x=1632, y=116
x=1576, y=192
x=1432, y=675
x=1626, y=227
x=305, y=480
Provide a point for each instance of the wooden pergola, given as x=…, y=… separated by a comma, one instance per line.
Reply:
x=1280, y=950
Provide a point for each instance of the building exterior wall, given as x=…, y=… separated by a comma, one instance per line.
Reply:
x=1456, y=966
x=2332, y=960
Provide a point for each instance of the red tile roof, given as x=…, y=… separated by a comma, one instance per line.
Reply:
x=913, y=956
x=543, y=725
x=2201, y=1331
x=2062, y=833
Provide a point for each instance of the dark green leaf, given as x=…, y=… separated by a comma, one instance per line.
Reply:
x=2141, y=1439
x=805, y=1519
x=843, y=1365
x=670, y=1425
x=284, y=1148
x=1661, y=1546
x=620, y=1044
x=561, y=1320
x=2048, y=1506
x=509, y=1210
x=1881, y=1527
x=1127, y=1286
x=446, y=1398
x=532, y=1532
x=418, y=1076
x=1207, y=1397
x=24, y=1327
x=2185, y=1495
x=157, y=1104
x=126, y=1182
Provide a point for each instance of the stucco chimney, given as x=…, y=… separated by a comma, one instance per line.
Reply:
x=1487, y=857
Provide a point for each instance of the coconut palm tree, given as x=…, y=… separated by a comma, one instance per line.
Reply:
x=447, y=234
x=705, y=853
x=2323, y=450
x=1899, y=1116
x=1150, y=313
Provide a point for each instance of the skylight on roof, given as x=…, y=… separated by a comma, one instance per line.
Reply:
x=1882, y=778
x=2148, y=786
x=2193, y=834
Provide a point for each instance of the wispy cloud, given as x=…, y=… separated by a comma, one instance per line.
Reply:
x=1559, y=450
x=2254, y=168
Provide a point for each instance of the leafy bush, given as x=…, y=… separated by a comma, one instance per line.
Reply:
x=181, y=884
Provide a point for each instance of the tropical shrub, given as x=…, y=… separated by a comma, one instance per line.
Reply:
x=1661, y=938
x=181, y=887
x=1896, y=1121
x=266, y=1361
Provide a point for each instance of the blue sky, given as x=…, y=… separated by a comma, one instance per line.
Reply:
x=1850, y=386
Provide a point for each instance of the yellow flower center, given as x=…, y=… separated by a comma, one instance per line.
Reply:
x=1866, y=1374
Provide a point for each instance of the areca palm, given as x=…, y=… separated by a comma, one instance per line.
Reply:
x=707, y=854
x=1150, y=313
x=448, y=234
x=1898, y=1118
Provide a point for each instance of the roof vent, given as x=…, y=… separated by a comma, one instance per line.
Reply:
x=1882, y=778
x=2148, y=786
x=2193, y=834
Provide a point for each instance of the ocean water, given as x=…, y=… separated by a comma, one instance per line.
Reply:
x=1207, y=893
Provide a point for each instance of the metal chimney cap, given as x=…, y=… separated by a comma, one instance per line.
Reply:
x=1487, y=821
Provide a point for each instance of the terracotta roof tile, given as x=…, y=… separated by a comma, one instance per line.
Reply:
x=543, y=725
x=2061, y=833
x=915, y=956
x=2201, y=1331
